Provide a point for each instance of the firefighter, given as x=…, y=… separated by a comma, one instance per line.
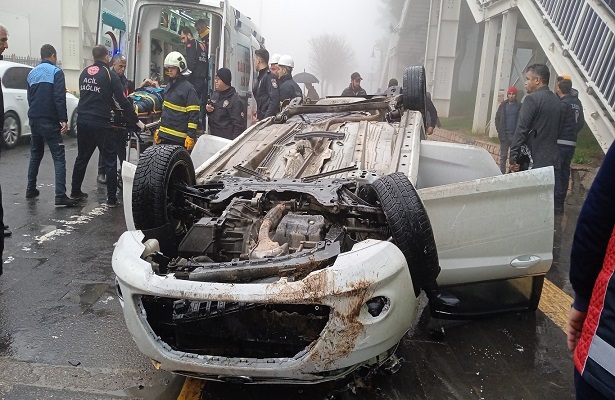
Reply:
x=98, y=86
x=180, y=109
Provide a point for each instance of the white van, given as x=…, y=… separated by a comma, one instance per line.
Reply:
x=233, y=37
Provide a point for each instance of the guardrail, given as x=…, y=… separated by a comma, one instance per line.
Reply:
x=588, y=36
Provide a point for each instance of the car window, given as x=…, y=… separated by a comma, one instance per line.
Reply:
x=16, y=78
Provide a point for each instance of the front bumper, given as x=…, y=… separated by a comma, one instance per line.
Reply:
x=350, y=338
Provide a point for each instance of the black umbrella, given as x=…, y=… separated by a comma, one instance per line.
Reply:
x=305, y=77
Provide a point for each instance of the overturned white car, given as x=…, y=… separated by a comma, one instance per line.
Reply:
x=297, y=252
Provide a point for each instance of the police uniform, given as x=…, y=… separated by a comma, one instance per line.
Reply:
x=227, y=120
x=289, y=89
x=98, y=85
x=197, y=60
x=180, y=112
x=266, y=94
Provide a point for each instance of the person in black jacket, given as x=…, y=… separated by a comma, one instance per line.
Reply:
x=572, y=122
x=539, y=122
x=505, y=123
x=120, y=132
x=181, y=105
x=197, y=60
x=354, y=89
x=98, y=86
x=48, y=122
x=265, y=90
x=225, y=108
x=4, y=44
x=289, y=89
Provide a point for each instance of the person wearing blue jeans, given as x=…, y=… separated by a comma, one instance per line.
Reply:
x=48, y=122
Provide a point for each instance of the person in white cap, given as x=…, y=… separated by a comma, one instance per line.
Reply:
x=273, y=63
x=288, y=87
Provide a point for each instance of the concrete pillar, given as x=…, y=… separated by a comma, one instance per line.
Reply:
x=485, y=75
x=506, y=53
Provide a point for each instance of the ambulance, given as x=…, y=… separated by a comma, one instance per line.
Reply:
x=233, y=38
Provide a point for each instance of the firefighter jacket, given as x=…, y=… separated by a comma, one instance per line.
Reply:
x=197, y=59
x=228, y=119
x=592, y=267
x=47, y=92
x=98, y=86
x=266, y=94
x=289, y=88
x=180, y=111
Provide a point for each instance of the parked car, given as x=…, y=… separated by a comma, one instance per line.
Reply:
x=297, y=252
x=15, y=89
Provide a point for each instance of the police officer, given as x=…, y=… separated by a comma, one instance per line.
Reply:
x=197, y=61
x=180, y=109
x=273, y=63
x=225, y=110
x=265, y=90
x=98, y=86
x=289, y=89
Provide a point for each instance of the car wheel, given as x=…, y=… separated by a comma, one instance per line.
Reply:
x=72, y=129
x=410, y=228
x=415, y=90
x=11, y=131
x=155, y=200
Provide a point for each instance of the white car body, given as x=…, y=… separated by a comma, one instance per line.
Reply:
x=493, y=233
x=15, y=89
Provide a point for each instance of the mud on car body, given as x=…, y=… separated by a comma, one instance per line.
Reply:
x=296, y=253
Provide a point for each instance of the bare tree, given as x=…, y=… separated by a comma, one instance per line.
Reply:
x=331, y=58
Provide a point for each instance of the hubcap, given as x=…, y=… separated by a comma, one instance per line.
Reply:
x=11, y=131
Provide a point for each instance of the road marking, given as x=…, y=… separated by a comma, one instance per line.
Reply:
x=192, y=389
x=555, y=304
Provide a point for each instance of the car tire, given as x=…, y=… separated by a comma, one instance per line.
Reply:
x=72, y=128
x=410, y=228
x=11, y=131
x=159, y=168
x=415, y=90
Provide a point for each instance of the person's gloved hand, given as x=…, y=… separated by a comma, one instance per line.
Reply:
x=189, y=143
x=157, y=138
x=141, y=125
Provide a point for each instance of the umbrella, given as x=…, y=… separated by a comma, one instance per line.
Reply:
x=305, y=77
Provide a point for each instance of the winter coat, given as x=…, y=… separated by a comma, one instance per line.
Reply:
x=180, y=111
x=572, y=120
x=228, y=119
x=349, y=91
x=289, y=89
x=538, y=127
x=592, y=262
x=500, y=118
x=267, y=94
x=47, y=92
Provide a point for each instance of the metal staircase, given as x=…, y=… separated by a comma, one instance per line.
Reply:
x=578, y=38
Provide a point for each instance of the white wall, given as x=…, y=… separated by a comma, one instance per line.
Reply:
x=31, y=24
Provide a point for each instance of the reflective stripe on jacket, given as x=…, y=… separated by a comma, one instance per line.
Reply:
x=180, y=111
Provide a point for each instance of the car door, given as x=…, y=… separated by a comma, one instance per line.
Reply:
x=494, y=233
x=15, y=85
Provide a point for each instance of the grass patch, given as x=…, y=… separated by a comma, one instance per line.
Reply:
x=588, y=150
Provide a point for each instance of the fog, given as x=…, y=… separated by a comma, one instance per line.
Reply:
x=288, y=25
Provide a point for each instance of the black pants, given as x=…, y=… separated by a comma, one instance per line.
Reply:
x=118, y=140
x=90, y=137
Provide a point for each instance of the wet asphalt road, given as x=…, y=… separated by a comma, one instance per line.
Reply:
x=62, y=333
